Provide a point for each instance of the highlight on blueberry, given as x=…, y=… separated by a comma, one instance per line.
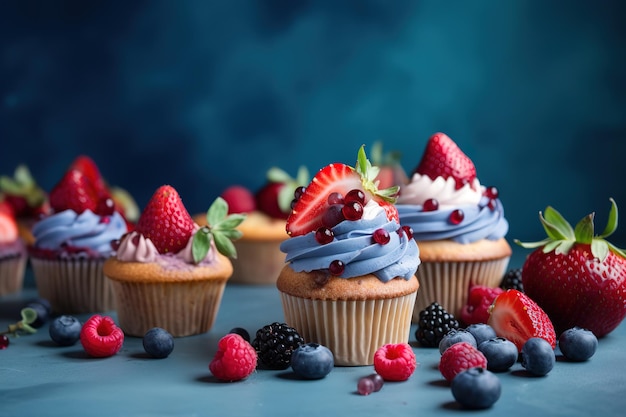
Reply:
x=158, y=343
x=65, y=330
x=312, y=361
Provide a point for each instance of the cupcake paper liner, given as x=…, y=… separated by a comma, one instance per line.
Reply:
x=352, y=330
x=12, y=274
x=448, y=283
x=258, y=262
x=181, y=308
x=73, y=286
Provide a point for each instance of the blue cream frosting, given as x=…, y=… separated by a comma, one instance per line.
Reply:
x=354, y=246
x=87, y=231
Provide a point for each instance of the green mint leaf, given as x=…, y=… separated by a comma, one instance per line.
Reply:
x=217, y=212
x=611, y=224
x=584, y=229
x=201, y=244
x=555, y=225
x=225, y=245
x=600, y=249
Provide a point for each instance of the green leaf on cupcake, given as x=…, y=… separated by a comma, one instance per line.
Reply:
x=220, y=228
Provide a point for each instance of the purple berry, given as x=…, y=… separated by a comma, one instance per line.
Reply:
x=365, y=386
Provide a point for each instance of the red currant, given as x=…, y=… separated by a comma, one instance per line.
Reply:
x=491, y=192
x=457, y=216
x=324, y=235
x=336, y=267
x=492, y=204
x=381, y=236
x=355, y=195
x=105, y=206
x=409, y=232
x=430, y=205
x=297, y=193
x=335, y=198
x=333, y=216
x=352, y=210
x=4, y=341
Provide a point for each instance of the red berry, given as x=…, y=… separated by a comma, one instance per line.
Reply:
x=234, y=360
x=267, y=200
x=324, y=235
x=408, y=230
x=297, y=193
x=381, y=236
x=105, y=206
x=336, y=267
x=352, y=210
x=479, y=299
x=335, y=198
x=333, y=216
x=491, y=192
x=430, y=205
x=74, y=191
x=239, y=199
x=457, y=216
x=355, y=195
x=395, y=362
x=101, y=337
x=460, y=357
x=4, y=341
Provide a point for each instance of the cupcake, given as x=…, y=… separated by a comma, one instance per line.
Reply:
x=349, y=282
x=27, y=199
x=170, y=272
x=71, y=244
x=259, y=259
x=13, y=253
x=459, y=226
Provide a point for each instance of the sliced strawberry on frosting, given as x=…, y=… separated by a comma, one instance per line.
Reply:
x=308, y=212
x=443, y=158
x=75, y=191
x=166, y=221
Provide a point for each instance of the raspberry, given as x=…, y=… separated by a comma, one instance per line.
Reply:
x=395, y=362
x=460, y=357
x=101, y=337
x=234, y=360
x=479, y=300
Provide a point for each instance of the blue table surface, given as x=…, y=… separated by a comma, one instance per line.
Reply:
x=38, y=378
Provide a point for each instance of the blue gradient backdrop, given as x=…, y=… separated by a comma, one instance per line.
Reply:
x=204, y=94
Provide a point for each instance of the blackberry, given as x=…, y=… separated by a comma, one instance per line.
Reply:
x=512, y=280
x=434, y=322
x=275, y=343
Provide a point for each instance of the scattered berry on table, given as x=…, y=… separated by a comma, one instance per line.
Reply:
x=578, y=344
x=501, y=354
x=481, y=332
x=538, y=356
x=101, y=337
x=433, y=323
x=516, y=317
x=395, y=361
x=312, y=361
x=512, y=279
x=234, y=360
x=476, y=388
x=275, y=343
x=4, y=341
x=65, y=330
x=158, y=342
x=460, y=357
x=370, y=383
x=43, y=309
x=241, y=332
x=479, y=300
x=456, y=336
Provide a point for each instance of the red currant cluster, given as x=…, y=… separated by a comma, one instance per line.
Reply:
x=457, y=216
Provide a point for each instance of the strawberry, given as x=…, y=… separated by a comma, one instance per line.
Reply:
x=309, y=209
x=577, y=277
x=275, y=197
x=239, y=199
x=391, y=171
x=516, y=317
x=74, y=191
x=266, y=200
x=87, y=166
x=8, y=226
x=443, y=158
x=479, y=300
x=166, y=221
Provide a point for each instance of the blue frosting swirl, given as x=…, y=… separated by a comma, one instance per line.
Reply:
x=87, y=231
x=353, y=245
x=479, y=222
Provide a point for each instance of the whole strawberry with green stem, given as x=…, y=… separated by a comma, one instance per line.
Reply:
x=577, y=277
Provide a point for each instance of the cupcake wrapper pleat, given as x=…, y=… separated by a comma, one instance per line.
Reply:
x=12, y=274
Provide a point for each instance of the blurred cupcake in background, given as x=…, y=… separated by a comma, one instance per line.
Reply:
x=13, y=253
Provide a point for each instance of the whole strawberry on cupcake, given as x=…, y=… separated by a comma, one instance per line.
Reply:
x=349, y=283
x=576, y=275
x=73, y=241
x=259, y=259
x=13, y=253
x=170, y=272
x=458, y=223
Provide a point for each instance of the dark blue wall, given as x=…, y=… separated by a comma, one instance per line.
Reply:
x=203, y=94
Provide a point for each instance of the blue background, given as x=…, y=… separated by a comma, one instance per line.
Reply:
x=202, y=94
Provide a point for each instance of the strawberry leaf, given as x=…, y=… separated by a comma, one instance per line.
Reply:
x=230, y=222
x=532, y=245
x=600, y=249
x=564, y=247
x=616, y=250
x=552, y=245
x=217, y=212
x=221, y=228
x=611, y=224
x=555, y=225
x=201, y=244
x=584, y=229
x=276, y=174
x=225, y=246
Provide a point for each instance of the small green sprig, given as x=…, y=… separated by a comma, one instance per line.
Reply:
x=221, y=228
x=29, y=316
x=285, y=195
x=369, y=173
x=23, y=184
x=562, y=237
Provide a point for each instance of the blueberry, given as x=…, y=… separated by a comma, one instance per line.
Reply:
x=538, y=356
x=481, y=332
x=476, y=388
x=456, y=336
x=501, y=353
x=65, y=330
x=312, y=361
x=158, y=343
x=578, y=344
x=43, y=309
x=241, y=332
